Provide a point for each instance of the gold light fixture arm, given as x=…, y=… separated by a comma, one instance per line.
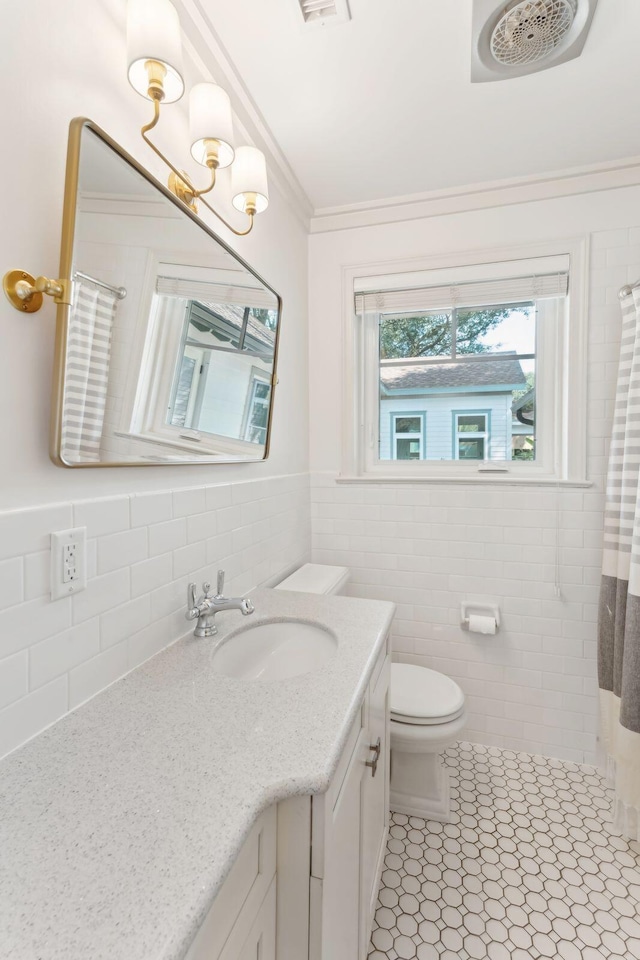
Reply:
x=26, y=293
x=238, y=233
x=180, y=183
x=212, y=162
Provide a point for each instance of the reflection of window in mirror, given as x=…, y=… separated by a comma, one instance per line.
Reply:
x=257, y=415
x=204, y=397
x=205, y=384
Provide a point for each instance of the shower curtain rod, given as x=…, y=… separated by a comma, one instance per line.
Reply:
x=627, y=289
x=120, y=292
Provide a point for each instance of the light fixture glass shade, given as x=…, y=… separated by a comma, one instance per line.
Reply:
x=153, y=33
x=249, y=180
x=210, y=120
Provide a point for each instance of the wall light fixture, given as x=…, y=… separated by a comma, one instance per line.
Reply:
x=155, y=72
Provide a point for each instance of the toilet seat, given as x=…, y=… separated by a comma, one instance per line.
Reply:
x=422, y=696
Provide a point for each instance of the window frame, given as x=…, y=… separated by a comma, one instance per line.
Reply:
x=394, y=436
x=257, y=379
x=471, y=435
x=562, y=416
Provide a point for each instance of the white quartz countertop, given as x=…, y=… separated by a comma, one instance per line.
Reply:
x=119, y=823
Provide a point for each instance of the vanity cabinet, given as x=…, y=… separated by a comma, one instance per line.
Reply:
x=349, y=832
x=305, y=884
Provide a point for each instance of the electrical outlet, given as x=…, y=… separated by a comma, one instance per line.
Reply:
x=68, y=562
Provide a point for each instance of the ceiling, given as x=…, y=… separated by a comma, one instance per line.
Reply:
x=382, y=106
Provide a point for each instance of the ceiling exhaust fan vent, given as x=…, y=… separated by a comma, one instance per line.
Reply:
x=320, y=13
x=531, y=30
x=526, y=36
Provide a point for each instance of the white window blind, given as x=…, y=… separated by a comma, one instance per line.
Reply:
x=216, y=293
x=474, y=293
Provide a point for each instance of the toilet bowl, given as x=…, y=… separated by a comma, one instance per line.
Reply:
x=427, y=716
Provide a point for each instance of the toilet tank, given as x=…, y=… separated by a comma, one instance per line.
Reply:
x=316, y=578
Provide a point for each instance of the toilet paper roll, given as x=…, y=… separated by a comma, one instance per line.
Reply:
x=479, y=624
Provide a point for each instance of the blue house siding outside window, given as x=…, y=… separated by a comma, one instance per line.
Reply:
x=448, y=396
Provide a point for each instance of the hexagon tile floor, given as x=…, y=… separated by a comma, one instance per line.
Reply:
x=528, y=868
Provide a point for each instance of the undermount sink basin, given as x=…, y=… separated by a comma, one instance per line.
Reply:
x=275, y=650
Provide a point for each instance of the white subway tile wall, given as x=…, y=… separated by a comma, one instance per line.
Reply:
x=141, y=553
x=532, y=687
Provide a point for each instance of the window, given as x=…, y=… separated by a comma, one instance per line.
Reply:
x=408, y=430
x=481, y=355
x=489, y=355
x=471, y=435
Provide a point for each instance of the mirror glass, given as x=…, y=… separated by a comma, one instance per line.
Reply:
x=169, y=345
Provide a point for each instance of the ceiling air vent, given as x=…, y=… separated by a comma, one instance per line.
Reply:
x=321, y=13
x=526, y=36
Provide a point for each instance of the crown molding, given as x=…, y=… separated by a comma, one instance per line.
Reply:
x=213, y=62
x=480, y=196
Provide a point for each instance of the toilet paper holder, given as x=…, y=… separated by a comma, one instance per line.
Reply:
x=468, y=607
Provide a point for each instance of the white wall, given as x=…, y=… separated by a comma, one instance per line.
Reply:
x=145, y=544
x=428, y=546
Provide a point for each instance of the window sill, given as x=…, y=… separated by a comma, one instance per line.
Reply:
x=487, y=480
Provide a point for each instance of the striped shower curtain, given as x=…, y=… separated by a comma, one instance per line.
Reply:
x=87, y=372
x=619, y=614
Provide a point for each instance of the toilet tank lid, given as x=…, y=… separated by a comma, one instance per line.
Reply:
x=316, y=578
x=420, y=692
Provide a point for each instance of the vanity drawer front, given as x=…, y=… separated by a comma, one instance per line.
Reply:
x=242, y=892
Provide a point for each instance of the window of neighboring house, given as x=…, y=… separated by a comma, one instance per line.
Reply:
x=408, y=430
x=471, y=435
x=488, y=352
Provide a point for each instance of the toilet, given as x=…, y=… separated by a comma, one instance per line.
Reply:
x=427, y=715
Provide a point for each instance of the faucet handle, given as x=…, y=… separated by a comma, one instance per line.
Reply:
x=191, y=596
x=206, y=586
x=220, y=586
x=193, y=611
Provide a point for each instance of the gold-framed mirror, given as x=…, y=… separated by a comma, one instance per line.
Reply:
x=167, y=350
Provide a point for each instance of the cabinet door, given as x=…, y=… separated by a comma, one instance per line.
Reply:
x=260, y=944
x=241, y=895
x=375, y=803
x=341, y=880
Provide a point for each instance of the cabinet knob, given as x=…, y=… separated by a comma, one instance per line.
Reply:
x=375, y=749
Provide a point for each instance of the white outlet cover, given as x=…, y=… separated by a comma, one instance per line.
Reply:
x=487, y=13
x=76, y=536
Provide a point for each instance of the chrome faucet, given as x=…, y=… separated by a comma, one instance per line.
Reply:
x=205, y=609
